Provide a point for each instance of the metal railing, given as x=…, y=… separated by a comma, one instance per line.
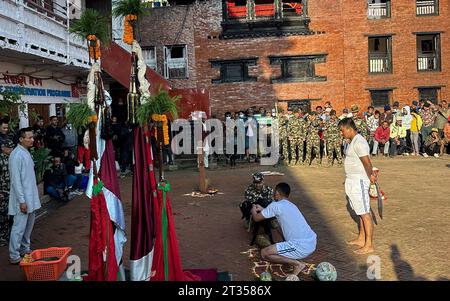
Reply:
x=378, y=10
x=427, y=62
x=428, y=7
x=50, y=8
x=379, y=64
x=276, y=10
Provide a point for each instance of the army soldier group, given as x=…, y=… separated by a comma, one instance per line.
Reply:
x=301, y=136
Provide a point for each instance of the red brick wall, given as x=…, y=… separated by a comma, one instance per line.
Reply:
x=239, y=96
x=340, y=30
x=402, y=24
x=166, y=26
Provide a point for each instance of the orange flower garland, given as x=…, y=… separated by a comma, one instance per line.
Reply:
x=128, y=35
x=163, y=119
x=94, y=51
x=93, y=118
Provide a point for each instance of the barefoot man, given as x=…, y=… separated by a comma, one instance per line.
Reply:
x=300, y=238
x=359, y=175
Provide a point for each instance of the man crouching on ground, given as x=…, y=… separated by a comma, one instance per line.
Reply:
x=300, y=238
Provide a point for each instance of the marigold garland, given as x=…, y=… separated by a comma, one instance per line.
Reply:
x=128, y=35
x=94, y=50
x=93, y=118
x=163, y=119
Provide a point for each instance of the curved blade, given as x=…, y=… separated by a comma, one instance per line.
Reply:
x=380, y=201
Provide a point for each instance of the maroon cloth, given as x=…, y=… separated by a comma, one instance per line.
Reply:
x=146, y=220
x=102, y=256
x=204, y=274
x=142, y=228
x=176, y=272
x=382, y=134
x=108, y=171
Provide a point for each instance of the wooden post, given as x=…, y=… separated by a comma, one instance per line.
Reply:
x=201, y=168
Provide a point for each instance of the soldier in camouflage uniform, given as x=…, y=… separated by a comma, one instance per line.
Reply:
x=283, y=130
x=6, y=146
x=258, y=193
x=297, y=136
x=333, y=139
x=360, y=123
x=313, y=138
x=257, y=190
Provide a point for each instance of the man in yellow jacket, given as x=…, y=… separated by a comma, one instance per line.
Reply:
x=416, y=126
x=397, y=138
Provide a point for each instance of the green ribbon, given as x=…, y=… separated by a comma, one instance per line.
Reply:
x=96, y=189
x=164, y=186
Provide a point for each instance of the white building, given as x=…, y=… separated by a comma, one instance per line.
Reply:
x=38, y=57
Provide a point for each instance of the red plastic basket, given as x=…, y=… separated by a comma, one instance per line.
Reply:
x=46, y=270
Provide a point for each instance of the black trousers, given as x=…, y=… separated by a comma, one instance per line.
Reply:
x=432, y=149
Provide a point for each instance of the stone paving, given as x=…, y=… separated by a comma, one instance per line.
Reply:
x=412, y=241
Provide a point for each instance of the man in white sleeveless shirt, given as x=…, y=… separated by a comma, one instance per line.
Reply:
x=358, y=176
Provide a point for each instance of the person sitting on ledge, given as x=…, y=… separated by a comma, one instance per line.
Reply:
x=55, y=181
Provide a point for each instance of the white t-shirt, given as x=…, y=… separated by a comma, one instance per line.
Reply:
x=291, y=220
x=352, y=164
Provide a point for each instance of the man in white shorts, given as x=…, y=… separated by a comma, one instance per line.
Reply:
x=300, y=238
x=358, y=176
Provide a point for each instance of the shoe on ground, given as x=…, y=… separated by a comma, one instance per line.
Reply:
x=78, y=192
x=436, y=155
x=425, y=155
x=15, y=261
x=23, y=253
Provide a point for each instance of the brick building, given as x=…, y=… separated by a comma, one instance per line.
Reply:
x=302, y=52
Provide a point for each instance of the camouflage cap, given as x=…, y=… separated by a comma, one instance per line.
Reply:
x=258, y=177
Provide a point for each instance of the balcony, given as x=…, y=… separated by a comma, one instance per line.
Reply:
x=378, y=9
x=427, y=62
x=39, y=28
x=427, y=7
x=50, y=8
x=258, y=18
x=379, y=64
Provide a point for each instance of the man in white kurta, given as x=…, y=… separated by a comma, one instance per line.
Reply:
x=24, y=196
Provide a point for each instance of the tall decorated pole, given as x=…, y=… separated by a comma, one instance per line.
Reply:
x=154, y=248
x=107, y=228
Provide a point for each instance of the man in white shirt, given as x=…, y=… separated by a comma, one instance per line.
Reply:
x=300, y=239
x=359, y=175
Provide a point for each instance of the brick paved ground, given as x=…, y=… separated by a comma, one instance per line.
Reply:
x=412, y=241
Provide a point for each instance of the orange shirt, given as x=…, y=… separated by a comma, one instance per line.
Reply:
x=447, y=130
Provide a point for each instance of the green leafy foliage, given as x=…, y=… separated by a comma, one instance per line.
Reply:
x=123, y=8
x=92, y=22
x=161, y=103
x=42, y=162
x=9, y=102
x=78, y=114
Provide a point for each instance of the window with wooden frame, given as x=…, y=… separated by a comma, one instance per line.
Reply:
x=235, y=70
x=380, y=98
x=175, y=62
x=299, y=68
